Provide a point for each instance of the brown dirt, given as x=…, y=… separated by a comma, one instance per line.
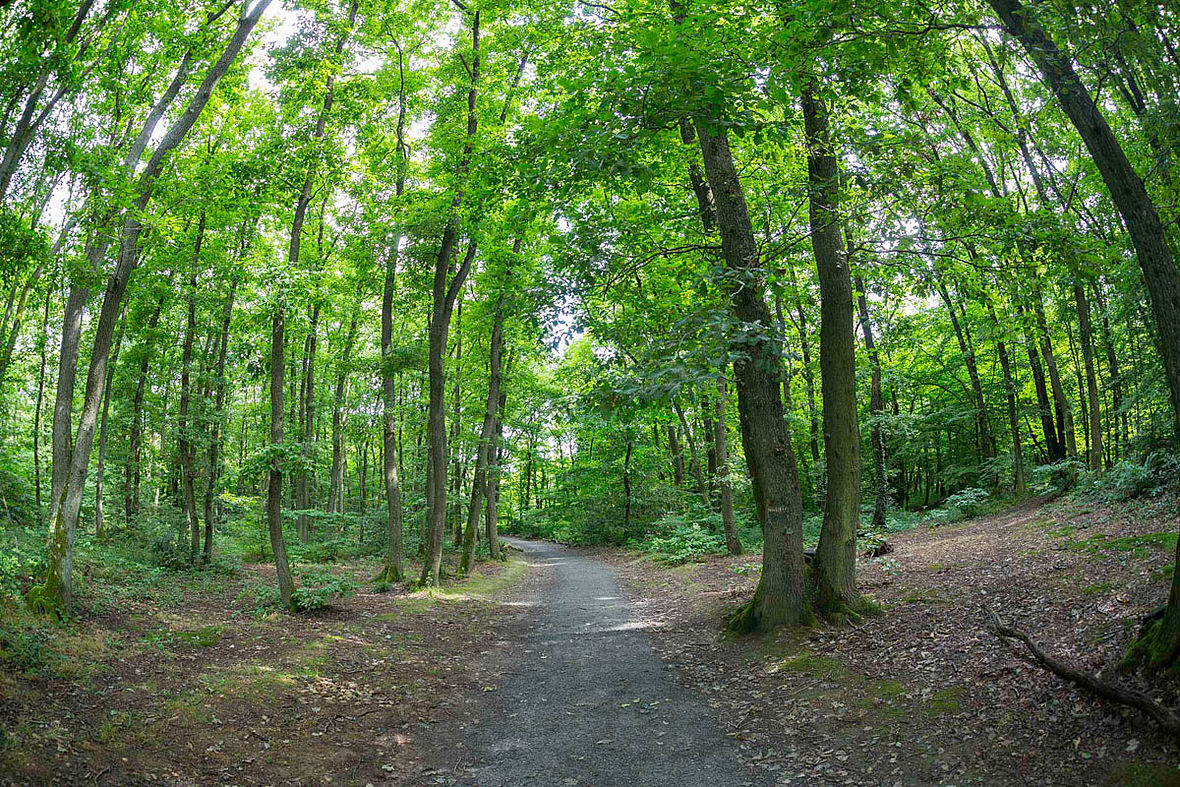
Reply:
x=924, y=694
x=210, y=690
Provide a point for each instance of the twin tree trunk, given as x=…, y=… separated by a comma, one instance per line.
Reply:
x=1159, y=644
x=480, y=488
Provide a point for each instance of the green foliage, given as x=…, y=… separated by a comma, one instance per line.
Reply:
x=964, y=504
x=686, y=543
x=317, y=587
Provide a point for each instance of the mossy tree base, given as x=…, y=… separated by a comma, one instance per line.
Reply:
x=1156, y=649
x=388, y=575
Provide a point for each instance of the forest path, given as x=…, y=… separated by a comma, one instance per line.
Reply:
x=591, y=704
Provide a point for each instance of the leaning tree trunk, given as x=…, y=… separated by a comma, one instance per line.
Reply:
x=57, y=593
x=1159, y=645
x=834, y=566
x=780, y=597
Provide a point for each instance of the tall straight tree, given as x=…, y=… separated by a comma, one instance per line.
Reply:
x=834, y=567
x=445, y=290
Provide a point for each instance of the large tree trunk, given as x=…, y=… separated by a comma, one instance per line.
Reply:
x=834, y=566
x=780, y=597
x=876, y=409
x=1160, y=646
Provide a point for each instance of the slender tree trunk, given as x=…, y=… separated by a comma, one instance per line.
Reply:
x=217, y=420
x=986, y=444
x=876, y=409
x=1065, y=429
x=1018, y=483
x=694, y=462
x=303, y=480
x=1093, y=396
x=733, y=544
x=184, y=445
x=336, y=486
x=443, y=297
x=37, y=409
x=99, y=525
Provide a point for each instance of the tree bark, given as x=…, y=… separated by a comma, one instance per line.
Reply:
x=834, y=566
x=443, y=297
x=780, y=597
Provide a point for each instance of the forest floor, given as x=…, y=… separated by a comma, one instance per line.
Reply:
x=541, y=671
x=924, y=694
x=189, y=682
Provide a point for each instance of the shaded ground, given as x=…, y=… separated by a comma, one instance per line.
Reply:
x=924, y=695
x=193, y=684
x=591, y=705
x=540, y=673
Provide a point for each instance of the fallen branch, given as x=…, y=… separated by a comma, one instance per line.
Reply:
x=1091, y=683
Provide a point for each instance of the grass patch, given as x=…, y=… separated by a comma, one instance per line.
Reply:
x=1134, y=774
x=204, y=637
x=1098, y=588
x=479, y=587
x=946, y=701
x=1141, y=545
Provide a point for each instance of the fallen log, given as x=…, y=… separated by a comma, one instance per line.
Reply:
x=1168, y=720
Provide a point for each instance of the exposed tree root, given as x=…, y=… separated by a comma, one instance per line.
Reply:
x=1091, y=683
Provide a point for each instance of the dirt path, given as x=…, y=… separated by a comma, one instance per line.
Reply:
x=592, y=704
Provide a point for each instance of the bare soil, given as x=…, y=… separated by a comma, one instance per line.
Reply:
x=212, y=691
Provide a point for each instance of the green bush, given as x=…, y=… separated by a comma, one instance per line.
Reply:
x=964, y=504
x=318, y=587
x=687, y=543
